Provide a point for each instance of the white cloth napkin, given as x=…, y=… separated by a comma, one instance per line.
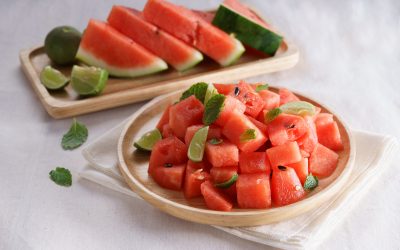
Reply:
x=373, y=154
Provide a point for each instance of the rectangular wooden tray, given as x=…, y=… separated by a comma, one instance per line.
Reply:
x=122, y=91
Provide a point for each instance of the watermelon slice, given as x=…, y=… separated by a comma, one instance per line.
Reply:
x=116, y=53
x=131, y=23
x=191, y=28
x=233, y=17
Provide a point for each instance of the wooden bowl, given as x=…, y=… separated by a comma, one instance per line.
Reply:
x=133, y=165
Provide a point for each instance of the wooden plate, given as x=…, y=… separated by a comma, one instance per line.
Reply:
x=122, y=91
x=133, y=165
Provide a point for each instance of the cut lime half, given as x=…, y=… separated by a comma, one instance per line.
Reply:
x=53, y=79
x=301, y=108
x=210, y=92
x=88, y=80
x=197, y=144
x=147, y=141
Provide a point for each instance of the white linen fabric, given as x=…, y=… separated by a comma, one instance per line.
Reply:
x=373, y=154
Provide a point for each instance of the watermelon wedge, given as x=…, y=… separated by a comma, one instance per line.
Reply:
x=105, y=47
x=193, y=29
x=249, y=28
x=131, y=23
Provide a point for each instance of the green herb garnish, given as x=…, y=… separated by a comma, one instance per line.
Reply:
x=198, y=90
x=262, y=87
x=272, y=114
x=311, y=182
x=61, y=176
x=228, y=183
x=213, y=109
x=249, y=134
x=76, y=135
x=215, y=141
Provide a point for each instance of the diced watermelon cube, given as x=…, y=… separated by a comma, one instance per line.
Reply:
x=220, y=175
x=329, y=135
x=195, y=175
x=231, y=106
x=224, y=88
x=301, y=169
x=169, y=177
x=164, y=119
x=170, y=150
x=248, y=96
x=271, y=99
x=323, y=161
x=285, y=128
x=285, y=154
x=222, y=155
x=286, y=187
x=287, y=96
x=253, y=191
x=261, y=126
x=236, y=126
x=309, y=140
x=184, y=114
x=167, y=131
x=323, y=118
x=214, y=198
x=213, y=132
x=254, y=162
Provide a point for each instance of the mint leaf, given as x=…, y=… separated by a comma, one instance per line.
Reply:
x=215, y=141
x=75, y=137
x=262, y=87
x=213, y=109
x=272, y=114
x=249, y=134
x=311, y=182
x=61, y=176
x=198, y=90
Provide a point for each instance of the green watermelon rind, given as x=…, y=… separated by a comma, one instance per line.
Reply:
x=246, y=30
x=90, y=59
x=234, y=55
x=195, y=59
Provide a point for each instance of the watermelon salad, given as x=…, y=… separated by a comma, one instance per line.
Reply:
x=242, y=145
x=136, y=43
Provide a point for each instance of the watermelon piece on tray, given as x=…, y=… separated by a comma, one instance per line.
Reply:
x=116, y=53
x=194, y=176
x=214, y=198
x=254, y=162
x=231, y=106
x=323, y=161
x=253, y=191
x=191, y=28
x=283, y=155
x=234, y=17
x=286, y=187
x=170, y=151
x=131, y=23
x=169, y=177
x=285, y=128
x=224, y=154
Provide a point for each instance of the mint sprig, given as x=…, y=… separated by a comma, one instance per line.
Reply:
x=213, y=108
x=61, y=176
x=75, y=137
x=198, y=90
x=272, y=114
x=262, y=87
x=249, y=134
x=311, y=182
x=215, y=141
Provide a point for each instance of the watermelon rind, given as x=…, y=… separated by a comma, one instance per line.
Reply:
x=246, y=30
x=234, y=55
x=90, y=59
x=196, y=58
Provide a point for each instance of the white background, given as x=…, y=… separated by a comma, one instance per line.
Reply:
x=350, y=60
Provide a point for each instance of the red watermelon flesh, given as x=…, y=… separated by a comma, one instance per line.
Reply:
x=323, y=161
x=231, y=106
x=271, y=99
x=224, y=154
x=164, y=119
x=254, y=162
x=213, y=132
x=224, y=88
x=286, y=187
x=214, y=198
x=194, y=30
x=253, y=191
x=283, y=155
x=236, y=126
x=205, y=15
x=261, y=126
x=167, y=131
x=247, y=12
x=308, y=141
x=170, y=150
x=329, y=135
x=247, y=95
x=220, y=175
x=194, y=176
x=185, y=113
x=323, y=118
x=285, y=128
x=287, y=96
x=169, y=177
x=131, y=23
x=301, y=169
x=116, y=53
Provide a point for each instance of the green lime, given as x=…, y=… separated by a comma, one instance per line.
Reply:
x=298, y=108
x=210, y=92
x=147, y=141
x=197, y=144
x=228, y=183
x=61, y=44
x=88, y=80
x=53, y=79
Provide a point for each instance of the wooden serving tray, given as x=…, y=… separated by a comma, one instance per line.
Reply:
x=134, y=164
x=122, y=91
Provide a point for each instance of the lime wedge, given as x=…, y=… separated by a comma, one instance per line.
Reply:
x=301, y=108
x=88, y=80
x=211, y=91
x=53, y=79
x=196, y=147
x=147, y=141
x=228, y=183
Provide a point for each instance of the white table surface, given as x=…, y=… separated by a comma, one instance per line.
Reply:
x=350, y=60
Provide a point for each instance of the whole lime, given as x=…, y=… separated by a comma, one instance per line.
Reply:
x=61, y=44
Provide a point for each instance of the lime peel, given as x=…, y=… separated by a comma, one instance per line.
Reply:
x=147, y=141
x=197, y=144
